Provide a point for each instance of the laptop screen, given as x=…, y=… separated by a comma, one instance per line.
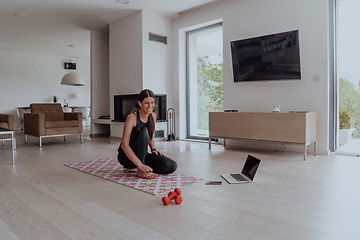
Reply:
x=250, y=167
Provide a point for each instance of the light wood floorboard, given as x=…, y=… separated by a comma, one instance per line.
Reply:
x=40, y=198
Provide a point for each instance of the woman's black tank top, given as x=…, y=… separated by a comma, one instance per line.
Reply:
x=139, y=123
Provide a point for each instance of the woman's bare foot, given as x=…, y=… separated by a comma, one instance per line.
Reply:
x=146, y=175
x=126, y=170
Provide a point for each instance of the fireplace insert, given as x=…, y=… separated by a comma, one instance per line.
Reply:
x=124, y=104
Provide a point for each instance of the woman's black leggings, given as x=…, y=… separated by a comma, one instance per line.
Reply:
x=139, y=141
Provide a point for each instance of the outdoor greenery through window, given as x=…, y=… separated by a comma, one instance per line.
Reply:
x=349, y=109
x=210, y=88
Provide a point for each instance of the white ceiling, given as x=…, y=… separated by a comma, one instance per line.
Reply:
x=51, y=26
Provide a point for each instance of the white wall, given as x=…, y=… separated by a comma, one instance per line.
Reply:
x=125, y=41
x=100, y=82
x=135, y=62
x=27, y=78
x=156, y=56
x=126, y=74
x=249, y=18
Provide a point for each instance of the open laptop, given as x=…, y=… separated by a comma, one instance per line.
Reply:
x=247, y=174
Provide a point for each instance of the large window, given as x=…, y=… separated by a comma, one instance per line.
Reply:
x=348, y=75
x=204, y=78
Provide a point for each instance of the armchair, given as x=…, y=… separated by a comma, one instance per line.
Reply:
x=7, y=127
x=49, y=120
x=7, y=122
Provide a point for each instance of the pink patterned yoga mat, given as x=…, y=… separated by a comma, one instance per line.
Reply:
x=111, y=169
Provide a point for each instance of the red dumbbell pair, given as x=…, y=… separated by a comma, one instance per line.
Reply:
x=176, y=195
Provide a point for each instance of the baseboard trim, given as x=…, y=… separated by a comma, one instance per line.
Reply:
x=99, y=135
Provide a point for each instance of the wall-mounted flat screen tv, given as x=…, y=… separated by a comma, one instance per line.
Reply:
x=267, y=58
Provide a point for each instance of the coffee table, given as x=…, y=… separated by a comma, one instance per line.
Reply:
x=12, y=139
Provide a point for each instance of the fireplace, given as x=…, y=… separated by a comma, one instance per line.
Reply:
x=124, y=104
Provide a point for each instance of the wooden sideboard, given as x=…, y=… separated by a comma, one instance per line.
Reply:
x=294, y=127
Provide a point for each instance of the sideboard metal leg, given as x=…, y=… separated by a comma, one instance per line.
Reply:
x=305, y=150
x=315, y=148
x=209, y=142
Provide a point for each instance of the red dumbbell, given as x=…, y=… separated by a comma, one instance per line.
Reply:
x=178, y=199
x=171, y=196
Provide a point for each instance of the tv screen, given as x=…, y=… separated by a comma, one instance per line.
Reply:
x=267, y=58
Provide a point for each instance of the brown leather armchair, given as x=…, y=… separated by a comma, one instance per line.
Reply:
x=49, y=120
x=7, y=122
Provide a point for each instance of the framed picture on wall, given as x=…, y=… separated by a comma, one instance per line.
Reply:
x=70, y=65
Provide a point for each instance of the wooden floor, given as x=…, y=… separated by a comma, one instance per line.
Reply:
x=40, y=198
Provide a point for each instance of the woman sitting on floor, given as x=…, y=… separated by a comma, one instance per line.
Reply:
x=138, y=133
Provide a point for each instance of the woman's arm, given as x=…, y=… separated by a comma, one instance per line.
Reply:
x=129, y=124
x=151, y=140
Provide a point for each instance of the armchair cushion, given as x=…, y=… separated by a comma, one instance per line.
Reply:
x=61, y=124
x=52, y=112
x=4, y=125
x=75, y=116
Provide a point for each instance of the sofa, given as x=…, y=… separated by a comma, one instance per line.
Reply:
x=49, y=120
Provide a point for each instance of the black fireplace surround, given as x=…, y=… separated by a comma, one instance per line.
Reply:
x=124, y=104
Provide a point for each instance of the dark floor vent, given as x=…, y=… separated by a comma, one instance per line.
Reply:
x=157, y=38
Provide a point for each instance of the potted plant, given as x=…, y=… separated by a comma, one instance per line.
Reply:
x=344, y=127
x=55, y=99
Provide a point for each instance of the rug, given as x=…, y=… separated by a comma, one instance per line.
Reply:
x=112, y=170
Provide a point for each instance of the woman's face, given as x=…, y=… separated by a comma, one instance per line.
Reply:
x=147, y=104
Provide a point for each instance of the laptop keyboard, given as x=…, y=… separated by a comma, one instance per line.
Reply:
x=238, y=177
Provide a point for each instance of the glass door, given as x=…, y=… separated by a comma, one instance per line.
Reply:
x=348, y=36
x=204, y=78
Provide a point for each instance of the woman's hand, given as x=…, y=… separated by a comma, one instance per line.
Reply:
x=157, y=152
x=145, y=168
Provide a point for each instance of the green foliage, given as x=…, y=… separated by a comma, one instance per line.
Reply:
x=344, y=120
x=210, y=90
x=210, y=82
x=55, y=99
x=349, y=102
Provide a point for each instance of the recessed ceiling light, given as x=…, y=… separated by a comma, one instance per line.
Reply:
x=20, y=15
x=122, y=1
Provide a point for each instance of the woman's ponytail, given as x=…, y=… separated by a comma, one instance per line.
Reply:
x=151, y=126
